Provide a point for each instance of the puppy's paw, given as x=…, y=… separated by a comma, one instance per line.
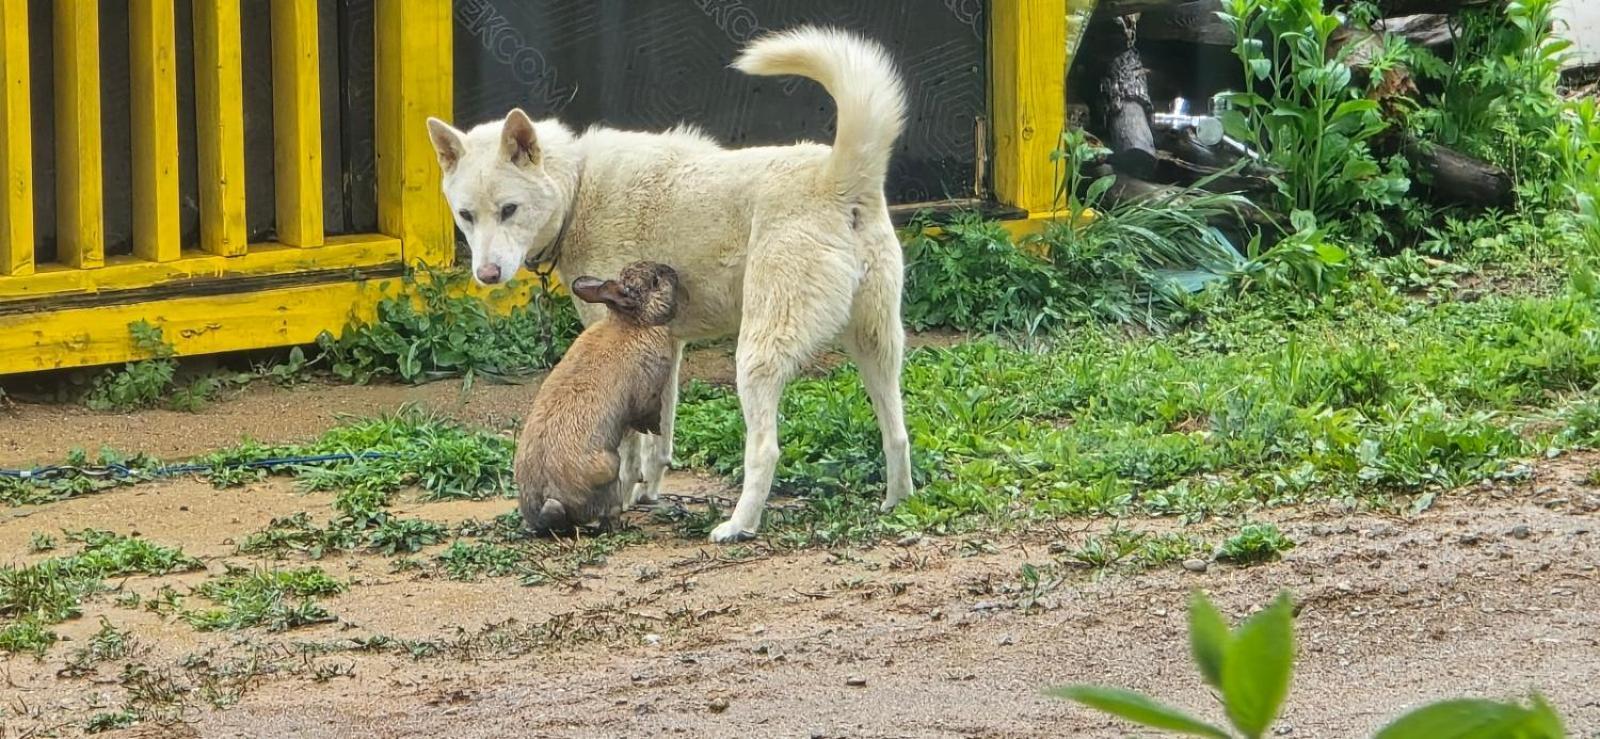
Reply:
x=729, y=532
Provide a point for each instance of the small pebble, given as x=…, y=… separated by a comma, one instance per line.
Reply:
x=1007, y=640
x=651, y=640
x=1520, y=532
x=1195, y=565
x=909, y=540
x=856, y=681
x=718, y=704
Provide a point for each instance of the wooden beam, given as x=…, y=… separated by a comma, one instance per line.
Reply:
x=297, y=122
x=208, y=324
x=414, y=80
x=1028, y=63
x=153, y=126
x=16, y=142
x=131, y=273
x=80, y=199
x=219, y=108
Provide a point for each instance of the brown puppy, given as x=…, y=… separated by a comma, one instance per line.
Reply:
x=608, y=384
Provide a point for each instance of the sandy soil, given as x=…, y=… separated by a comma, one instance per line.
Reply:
x=1491, y=592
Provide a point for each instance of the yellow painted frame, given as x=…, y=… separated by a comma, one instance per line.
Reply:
x=80, y=199
x=16, y=142
x=1029, y=52
x=414, y=80
x=297, y=122
x=153, y=127
x=219, y=120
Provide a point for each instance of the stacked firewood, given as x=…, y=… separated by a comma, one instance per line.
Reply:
x=1147, y=72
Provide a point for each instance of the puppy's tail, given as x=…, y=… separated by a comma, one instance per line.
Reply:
x=860, y=76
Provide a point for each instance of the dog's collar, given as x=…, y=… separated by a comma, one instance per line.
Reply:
x=551, y=255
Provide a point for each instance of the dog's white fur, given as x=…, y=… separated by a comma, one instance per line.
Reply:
x=788, y=247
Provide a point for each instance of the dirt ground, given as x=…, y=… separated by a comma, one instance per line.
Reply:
x=1491, y=592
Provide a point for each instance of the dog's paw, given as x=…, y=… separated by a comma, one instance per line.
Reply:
x=890, y=504
x=728, y=532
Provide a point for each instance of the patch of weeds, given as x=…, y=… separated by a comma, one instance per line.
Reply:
x=464, y=561
x=139, y=384
x=110, y=721
x=276, y=599
x=1582, y=425
x=41, y=542
x=1255, y=543
x=33, y=597
x=1102, y=552
x=107, y=644
x=404, y=535
x=446, y=331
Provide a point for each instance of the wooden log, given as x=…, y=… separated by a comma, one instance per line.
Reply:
x=1194, y=22
x=1123, y=104
x=1432, y=31
x=1393, y=8
x=1448, y=177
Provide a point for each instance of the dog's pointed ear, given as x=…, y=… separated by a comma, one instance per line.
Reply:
x=594, y=290
x=448, y=143
x=518, y=143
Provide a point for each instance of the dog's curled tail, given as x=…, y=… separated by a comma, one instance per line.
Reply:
x=860, y=76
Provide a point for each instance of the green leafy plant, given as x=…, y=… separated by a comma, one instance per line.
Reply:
x=1299, y=109
x=139, y=384
x=276, y=599
x=446, y=332
x=1255, y=543
x=1250, y=667
x=35, y=596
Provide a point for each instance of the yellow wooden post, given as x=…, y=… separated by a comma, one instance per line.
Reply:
x=16, y=142
x=297, y=122
x=1027, y=48
x=80, y=201
x=413, y=82
x=219, y=108
x=153, y=126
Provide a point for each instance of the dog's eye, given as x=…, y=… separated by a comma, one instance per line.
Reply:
x=466, y=215
x=507, y=211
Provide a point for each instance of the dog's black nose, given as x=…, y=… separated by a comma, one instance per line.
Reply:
x=489, y=274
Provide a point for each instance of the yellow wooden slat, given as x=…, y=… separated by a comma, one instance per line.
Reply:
x=80, y=201
x=219, y=108
x=413, y=82
x=16, y=142
x=297, y=122
x=131, y=272
x=153, y=126
x=1028, y=58
x=198, y=325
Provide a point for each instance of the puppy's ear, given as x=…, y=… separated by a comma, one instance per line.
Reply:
x=448, y=143
x=594, y=290
x=518, y=143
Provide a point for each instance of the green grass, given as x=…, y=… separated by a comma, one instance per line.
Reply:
x=1374, y=400
x=33, y=597
x=275, y=599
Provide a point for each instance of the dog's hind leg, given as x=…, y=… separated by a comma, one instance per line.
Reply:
x=627, y=466
x=656, y=449
x=796, y=299
x=875, y=339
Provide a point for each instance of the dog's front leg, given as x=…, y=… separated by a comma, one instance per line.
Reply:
x=656, y=450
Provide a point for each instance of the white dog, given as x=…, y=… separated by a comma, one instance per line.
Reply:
x=790, y=247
